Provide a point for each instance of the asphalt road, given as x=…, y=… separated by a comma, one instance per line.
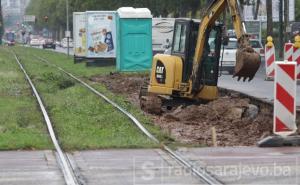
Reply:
x=64, y=50
x=248, y=165
x=30, y=168
x=258, y=87
x=107, y=167
x=58, y=49
x=130, y=167
x=230, y=165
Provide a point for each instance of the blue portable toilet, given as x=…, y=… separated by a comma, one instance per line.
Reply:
x=134, y=39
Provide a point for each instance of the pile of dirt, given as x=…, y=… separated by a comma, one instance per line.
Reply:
x=237, y=122
x=125, y=84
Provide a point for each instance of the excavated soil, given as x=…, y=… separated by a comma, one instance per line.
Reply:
x=236, y=120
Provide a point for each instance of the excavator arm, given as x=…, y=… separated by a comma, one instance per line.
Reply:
x=247, y=60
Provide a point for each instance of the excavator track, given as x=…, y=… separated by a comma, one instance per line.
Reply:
x=159, y=104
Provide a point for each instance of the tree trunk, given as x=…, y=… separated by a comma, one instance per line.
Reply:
x=269, y=18
x=281, y=28
x=286, y=20
x=1, y=24
x=256, y=9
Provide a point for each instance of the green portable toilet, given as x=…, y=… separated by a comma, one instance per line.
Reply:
x=134, y=39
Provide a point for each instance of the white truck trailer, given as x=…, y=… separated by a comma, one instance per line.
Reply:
x=162, y=34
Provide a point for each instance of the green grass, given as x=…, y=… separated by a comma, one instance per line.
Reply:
x=82, y=120
x=21, y=123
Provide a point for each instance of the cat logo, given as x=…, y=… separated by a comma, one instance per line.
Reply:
x=160, y=70
x=160, y=73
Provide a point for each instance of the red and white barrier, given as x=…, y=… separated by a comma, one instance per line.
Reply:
x=270, y=60
x=288, y=51
x=285, y=98
x=296, y=58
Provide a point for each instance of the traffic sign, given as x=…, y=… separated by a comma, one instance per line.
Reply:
x=29, y=18
x=68, y=34
x=284, y=98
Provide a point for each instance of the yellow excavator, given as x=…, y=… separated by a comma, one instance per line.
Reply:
x=192, y=69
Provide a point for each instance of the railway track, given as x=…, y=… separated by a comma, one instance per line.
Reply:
x=64, y=163
x=68, y=169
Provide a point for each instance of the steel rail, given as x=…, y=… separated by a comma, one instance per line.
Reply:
x=68, y=173
x=198, y=171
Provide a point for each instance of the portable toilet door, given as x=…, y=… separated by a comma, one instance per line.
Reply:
x=134, y=39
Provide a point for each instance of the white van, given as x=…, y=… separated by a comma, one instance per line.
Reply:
x=229, y=56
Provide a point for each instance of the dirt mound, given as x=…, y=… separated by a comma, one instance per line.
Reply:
x=125, y=84
x=121, y=83
x=236, y=120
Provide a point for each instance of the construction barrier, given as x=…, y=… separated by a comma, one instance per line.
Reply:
x=284, y=98
x=288, y=51
x=270, y=58
x=296, y=55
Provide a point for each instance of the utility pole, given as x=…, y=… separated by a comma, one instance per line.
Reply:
x=68, y=31
x=280, y=29
x=46, y=18
x=269, y=18
x=1, y=24
x=256, y=9
x=286, y=20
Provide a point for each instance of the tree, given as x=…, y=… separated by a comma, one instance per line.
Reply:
x=55, y=9
x=256, y=9
x=1, y=24
x=286, y=19
x=297, y=10
x=269, y=18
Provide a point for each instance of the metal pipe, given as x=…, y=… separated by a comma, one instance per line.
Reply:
x=280, y=29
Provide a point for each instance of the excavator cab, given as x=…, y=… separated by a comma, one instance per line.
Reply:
x=184, y=44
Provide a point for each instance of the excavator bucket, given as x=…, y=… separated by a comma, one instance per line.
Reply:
x=247, y=60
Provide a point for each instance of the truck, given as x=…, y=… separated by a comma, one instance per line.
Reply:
x=162, y=34
x=10, y=38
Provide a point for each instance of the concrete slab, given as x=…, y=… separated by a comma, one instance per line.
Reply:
x=248, y=165
x=278, y=141
x=130, y=167
x=30, y=168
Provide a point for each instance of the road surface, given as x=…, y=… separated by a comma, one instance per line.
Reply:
x=248, y=165
x=231, y=165
x=258, y=87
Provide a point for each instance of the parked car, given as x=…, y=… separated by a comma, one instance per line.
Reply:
x=34, y=40
x=229, y=56
x=57, y=43
x=258, y=47
x=42, y=41
x=64, y=43
x=10, y=38
x=49, y=43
